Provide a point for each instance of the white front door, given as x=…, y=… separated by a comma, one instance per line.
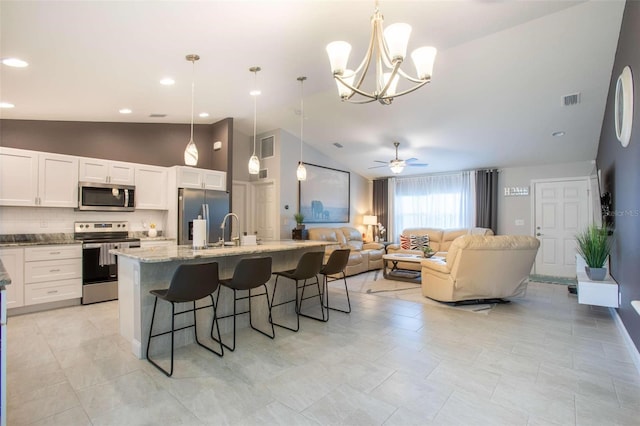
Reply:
x=561, y=211
x=265, y=210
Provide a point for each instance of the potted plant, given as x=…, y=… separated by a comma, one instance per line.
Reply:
x=594, y=246
x=428, y=251
x=299, y=217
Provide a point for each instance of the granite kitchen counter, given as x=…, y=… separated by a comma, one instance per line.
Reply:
x=23, y=240
x=171, y=253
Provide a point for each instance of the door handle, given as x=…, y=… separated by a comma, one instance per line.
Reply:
x=538, y=234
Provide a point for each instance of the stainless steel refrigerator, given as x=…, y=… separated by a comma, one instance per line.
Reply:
x=211, y=205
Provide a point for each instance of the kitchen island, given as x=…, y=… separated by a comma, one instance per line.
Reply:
x=143, y=269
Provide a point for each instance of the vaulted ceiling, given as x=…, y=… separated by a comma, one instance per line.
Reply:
x=501, y=71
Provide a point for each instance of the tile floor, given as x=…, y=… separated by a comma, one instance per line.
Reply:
x=540, y=360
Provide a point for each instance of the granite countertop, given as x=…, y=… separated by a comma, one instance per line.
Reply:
x=170, y=253
x=19, y=240
x=5, y=279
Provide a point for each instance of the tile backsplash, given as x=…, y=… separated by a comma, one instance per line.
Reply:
x=44, y=220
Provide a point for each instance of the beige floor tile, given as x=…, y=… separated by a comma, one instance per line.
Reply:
x=539, y=360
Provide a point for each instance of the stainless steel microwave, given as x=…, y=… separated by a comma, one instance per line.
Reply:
x=106, y=197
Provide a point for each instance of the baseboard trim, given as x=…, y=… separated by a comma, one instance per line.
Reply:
x=631, y=347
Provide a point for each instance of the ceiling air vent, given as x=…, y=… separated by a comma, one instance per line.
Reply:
x=157, y=115
x=263, y=174
x=572, y=99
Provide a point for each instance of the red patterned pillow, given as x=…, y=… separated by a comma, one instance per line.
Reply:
x=405, y=242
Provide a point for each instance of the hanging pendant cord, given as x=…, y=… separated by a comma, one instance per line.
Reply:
x=301, y=116
x=193, y=86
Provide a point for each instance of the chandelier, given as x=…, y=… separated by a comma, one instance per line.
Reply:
x=301, y=171
x=254, y=162
x=387, y=51
x=191, y=151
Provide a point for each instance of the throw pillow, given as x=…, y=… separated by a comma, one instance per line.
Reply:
x=417, y=242
x=404, y=242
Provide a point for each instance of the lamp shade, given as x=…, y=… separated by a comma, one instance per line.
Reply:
x=397, y=37
x=370, y=220
x=423, y=58
x=338, y=52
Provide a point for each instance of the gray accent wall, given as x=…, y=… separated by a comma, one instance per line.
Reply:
x=620, y=171
x=145, y=143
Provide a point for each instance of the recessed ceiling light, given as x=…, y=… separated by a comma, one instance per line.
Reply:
x=557, y=134
x=167, y=81
x=6, y=105
x=14, y=62
x=125, y=111
x=203, y=114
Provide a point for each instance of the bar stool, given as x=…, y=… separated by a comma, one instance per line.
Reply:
x=308, y=267
x=335, y=266
x=248, y=274
x=190, y=282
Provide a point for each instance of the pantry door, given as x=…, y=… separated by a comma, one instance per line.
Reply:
x=561, y=211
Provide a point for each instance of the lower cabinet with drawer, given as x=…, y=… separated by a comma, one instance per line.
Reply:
x=52, y=273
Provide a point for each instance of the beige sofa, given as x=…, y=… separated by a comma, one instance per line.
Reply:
x=480, y=267
x=363, y=257
x=439, y=240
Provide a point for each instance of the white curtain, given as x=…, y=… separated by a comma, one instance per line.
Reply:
x=437, y=201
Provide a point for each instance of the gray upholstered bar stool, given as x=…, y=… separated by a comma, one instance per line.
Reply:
x=248, y=274
x=335, y=266
x=190, y=282
x=308, y=267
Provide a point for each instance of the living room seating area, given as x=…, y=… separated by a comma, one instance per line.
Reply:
x=363, y=257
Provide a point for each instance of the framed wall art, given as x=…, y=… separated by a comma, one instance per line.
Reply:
x=324, y=196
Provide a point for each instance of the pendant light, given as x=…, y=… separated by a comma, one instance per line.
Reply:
x=301, y=172
x=191, y=151
x=254, y=162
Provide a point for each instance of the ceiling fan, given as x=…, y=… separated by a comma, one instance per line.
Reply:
x=397, y=165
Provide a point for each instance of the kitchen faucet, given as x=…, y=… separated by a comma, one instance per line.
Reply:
x=222, y=228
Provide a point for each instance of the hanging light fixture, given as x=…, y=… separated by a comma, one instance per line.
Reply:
x=254, y=162
x=390, y=47
x=301, y=171
x=191, y=151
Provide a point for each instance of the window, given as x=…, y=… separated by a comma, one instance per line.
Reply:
x=439, y=201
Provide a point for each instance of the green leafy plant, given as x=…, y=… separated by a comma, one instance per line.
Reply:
x=594, y=245
x=299, y=217
x=428, y=251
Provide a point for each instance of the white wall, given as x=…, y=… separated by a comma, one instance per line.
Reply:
x=360, y=188
x=512, y=208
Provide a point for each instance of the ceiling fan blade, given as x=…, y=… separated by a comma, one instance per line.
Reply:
x=377, y=167
x=410, y=160
x=417, y=164
x=378, y=161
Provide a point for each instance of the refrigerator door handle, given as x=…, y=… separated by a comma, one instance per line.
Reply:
x=205, y=216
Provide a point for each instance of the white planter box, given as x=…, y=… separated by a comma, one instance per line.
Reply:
x=600, y=293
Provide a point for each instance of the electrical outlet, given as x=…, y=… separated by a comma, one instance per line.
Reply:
x=519, y=222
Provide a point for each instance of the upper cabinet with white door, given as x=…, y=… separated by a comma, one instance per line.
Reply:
x=30, y=178
x=106, y=171
x=191, y=177
x=151, y=187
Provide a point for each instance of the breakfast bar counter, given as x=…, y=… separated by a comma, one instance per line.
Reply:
x=143, y=269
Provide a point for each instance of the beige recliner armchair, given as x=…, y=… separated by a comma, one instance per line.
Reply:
x=480, y=267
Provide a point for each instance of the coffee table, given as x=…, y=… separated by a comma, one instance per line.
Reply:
x=398, y=274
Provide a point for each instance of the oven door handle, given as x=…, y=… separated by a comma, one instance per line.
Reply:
x=91, y=245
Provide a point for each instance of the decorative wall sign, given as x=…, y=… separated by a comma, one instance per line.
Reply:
x=624, y=106
x=516, y=191
x=324, y=196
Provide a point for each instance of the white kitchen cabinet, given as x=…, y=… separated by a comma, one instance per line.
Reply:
x=52, y=273
x=30, y=178
x=106, y=171
x=151, y=187
x=13, y=261
x=191, y=177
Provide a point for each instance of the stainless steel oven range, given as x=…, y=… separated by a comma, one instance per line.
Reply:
x=99, y=267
